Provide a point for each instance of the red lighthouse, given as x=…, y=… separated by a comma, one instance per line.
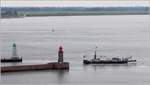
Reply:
x=60, y=54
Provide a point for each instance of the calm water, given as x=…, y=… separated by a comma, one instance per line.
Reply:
x=38, y=39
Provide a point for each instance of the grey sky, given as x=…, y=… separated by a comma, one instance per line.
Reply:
x=48, y=3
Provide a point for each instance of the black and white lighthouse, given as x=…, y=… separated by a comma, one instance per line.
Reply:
x=60, y=54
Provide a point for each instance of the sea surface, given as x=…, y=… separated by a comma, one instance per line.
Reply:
x=38, y=40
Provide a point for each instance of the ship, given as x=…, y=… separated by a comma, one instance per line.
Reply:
x=14, y=57
x=113, y=60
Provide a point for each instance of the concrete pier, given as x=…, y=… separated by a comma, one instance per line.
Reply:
x=48, y=66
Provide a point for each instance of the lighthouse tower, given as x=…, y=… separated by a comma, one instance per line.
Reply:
x=60, y=54
x=14, y=51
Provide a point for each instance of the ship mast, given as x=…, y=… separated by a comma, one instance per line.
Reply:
x=95, y=53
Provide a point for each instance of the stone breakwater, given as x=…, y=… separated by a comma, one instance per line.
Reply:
x=48, y=66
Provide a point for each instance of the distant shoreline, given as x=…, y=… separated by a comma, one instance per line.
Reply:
x=11, y=12
x=80, y=15
x=69, y=15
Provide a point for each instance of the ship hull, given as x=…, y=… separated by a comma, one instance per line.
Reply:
x=104, y=62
